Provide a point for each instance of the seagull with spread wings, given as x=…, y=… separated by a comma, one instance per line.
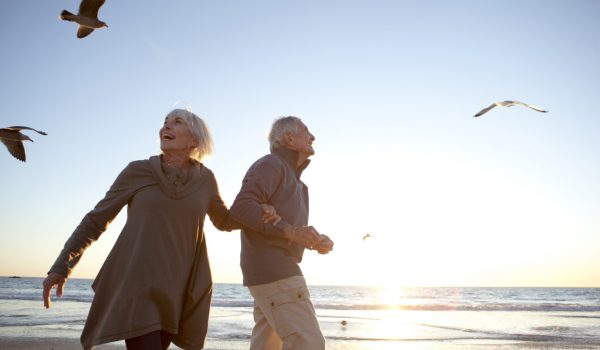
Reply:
x=87, y=17
x=508, y=104
x=13, y=139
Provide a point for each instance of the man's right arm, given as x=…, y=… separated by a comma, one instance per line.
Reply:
x=258, y=186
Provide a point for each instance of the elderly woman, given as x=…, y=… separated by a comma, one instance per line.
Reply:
x=155, y=285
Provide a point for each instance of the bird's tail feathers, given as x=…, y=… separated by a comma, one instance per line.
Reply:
x=66, y=15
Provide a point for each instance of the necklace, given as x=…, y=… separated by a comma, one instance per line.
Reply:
x=176, y=176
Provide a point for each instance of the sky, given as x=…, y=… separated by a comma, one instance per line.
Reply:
x=389, y=89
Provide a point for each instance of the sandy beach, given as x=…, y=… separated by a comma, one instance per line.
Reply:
x=25, y=343
x=21, y=343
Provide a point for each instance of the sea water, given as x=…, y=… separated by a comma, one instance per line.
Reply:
x=356, y=318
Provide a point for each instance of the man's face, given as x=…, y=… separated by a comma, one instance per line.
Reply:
x=302, y=141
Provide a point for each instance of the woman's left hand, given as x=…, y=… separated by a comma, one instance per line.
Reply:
x=269, y=214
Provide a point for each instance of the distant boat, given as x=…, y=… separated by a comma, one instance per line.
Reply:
x=14, y=277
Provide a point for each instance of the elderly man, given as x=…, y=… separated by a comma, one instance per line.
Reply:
x=283, y=312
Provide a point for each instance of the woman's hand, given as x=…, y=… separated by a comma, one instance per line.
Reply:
x=53, y=279
x=269, y=214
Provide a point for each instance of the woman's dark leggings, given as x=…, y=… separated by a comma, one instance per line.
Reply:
x=157, y=340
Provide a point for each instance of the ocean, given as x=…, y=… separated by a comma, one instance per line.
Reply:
x=374, y=318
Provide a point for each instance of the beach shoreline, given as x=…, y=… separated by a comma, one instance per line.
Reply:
x=351, y=318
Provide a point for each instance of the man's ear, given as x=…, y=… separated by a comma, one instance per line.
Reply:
x=289, y=139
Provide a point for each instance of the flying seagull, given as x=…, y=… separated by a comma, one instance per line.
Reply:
x=368, y=235
x=13, y=139
x=508, y=104
x=87, y=17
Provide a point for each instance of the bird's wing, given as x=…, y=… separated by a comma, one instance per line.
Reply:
x=8, y=134
x=485, y=110
x=82, y=31
x=505, y=103
x=532, y=107
x=26, y=128
x=90, y=8
x=15, y=148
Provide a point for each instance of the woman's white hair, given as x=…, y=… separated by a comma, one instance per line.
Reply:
x=199, y=130
x=281, y=126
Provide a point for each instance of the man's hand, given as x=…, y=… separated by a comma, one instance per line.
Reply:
x=325, y=245
x=53, y=279
x=306, y=236
x=269, y=214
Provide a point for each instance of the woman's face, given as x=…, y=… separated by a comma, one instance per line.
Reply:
x=175, y=135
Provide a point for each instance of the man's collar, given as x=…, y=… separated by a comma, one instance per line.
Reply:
x=291, y=156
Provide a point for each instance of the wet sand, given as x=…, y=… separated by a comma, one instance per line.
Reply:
x=32, y=343
x=27, y=343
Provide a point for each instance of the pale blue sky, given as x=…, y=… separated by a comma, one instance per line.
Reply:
x=388, y=88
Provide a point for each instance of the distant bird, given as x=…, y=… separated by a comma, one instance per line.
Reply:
x=87, y=17
x=508, y=104
x=13, y=139
x=368, y=235
x=344, y=323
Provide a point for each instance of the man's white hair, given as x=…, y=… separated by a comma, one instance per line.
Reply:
x=281, y=126
x=199, y=130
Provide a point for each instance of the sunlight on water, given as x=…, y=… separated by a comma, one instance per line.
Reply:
x=357, y=318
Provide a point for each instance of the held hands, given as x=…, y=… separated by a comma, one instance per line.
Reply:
x=53, y=279
x=269, y=214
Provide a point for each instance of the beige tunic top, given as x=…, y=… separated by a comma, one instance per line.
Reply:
x=157, y=276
